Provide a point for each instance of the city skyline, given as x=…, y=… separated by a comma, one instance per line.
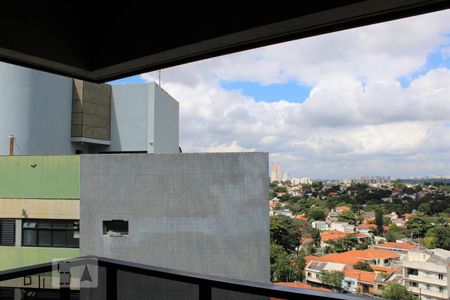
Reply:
x=371, y=100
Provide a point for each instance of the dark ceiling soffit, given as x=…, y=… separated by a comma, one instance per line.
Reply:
x=341, y=18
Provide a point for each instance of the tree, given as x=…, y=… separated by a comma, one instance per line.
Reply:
x=419, y=225
x=379, y=222
x=316, y=214
x=298, y=264
x=425, y=208
x=394, y=233
x=396, y=291
x=364, y=266
x=438, y=237
x=279, y=263
x=332, y=279
x=285, y=267
x=344, y=244
x=347, y=216
x=285, y=232
x=316, y=237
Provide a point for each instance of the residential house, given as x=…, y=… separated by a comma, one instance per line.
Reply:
x=313, y=269
x=369, y=229
x=321, y=225
x=400, y=248
x=360, y=282
x=342, y=208
x=375, y=256
x=327, y=236
x=299, y=285
x=427, y=273
x=342, y=226
x=332, y=217
x=400, y=222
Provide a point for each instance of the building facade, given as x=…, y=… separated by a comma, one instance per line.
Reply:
x=276, y=172
x=427, y=273
x=49, y=114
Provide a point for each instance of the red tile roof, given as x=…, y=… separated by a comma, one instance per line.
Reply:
x=299, y=285
x=371, y=226
x=343, y=207
x=360, y=275
x=354, y=256
x=396, y=246
x=334, y=257
x=332, y=235
x=371, y=254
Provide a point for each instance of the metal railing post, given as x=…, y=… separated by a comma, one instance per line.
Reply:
x=111, y=283
x=204, y=292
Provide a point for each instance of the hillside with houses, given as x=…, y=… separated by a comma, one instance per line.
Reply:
x=374, y=239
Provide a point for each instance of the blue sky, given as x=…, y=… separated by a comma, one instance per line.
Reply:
x=436, y=59
x=290, y=91
x=129, y=80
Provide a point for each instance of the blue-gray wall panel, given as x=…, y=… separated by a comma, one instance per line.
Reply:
x=36, y=108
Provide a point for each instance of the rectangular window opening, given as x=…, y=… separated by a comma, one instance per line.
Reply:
x=115, y=228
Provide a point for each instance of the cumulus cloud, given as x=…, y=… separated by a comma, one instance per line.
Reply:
x=357, y=119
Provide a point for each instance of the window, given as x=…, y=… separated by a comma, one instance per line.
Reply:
x=428, y=287
x=413, y=272
x=115, y=228
x=413, y=284
x=386, y=261
x=441, y=289
x=309, y=274
x=7, y=232
x=318, y=276
x=51, y=233
x=441, y=276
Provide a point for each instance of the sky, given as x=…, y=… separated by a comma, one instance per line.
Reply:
x=368, y=101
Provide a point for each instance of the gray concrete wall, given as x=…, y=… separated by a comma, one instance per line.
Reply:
x=163, y=121
x=204, y=213
x=143, y=118
x=36, y=108
x=129, y=117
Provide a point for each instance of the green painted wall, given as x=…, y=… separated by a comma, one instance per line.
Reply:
x=56, y=176
x=15, y=257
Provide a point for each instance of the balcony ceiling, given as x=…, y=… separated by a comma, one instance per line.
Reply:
x=110, y=42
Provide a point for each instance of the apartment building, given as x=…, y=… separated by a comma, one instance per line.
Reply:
x=427, y=273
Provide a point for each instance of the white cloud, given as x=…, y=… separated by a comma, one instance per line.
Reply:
x=357, y=120
x=233, y=147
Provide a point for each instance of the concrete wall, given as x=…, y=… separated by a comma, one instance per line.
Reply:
x=129, y=117
x=204, y=213
x=165, y=116
x=91, y=110
x=143, y=118
x=36, y=109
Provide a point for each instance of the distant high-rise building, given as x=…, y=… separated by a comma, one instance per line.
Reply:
x=276, y=172
x=286, y=177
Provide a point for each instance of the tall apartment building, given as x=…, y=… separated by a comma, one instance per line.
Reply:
x=427, y=273
x=276, y=172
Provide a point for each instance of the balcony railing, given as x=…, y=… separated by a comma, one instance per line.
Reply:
x=126, y=280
